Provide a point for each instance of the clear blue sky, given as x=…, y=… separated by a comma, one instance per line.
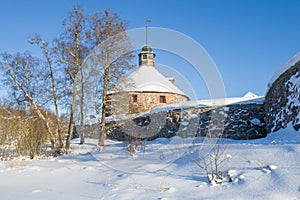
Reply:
x=249, y=40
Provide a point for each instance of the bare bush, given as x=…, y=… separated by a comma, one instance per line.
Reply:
x=22, y=134
x=134, y=144
x=213, y=159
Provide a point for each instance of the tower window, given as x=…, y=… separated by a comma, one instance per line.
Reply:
x=162, y=99
x=134, y=98
x=144, y=56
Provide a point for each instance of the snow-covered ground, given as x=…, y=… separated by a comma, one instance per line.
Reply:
x=163, y=169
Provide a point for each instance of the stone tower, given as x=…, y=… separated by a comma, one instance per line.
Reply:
x=145, y=88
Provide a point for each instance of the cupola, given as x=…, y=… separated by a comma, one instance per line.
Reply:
x=147, y=56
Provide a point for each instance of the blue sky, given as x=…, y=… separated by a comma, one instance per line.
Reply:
x=249, y=40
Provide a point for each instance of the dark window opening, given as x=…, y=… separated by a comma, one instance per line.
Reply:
x=162, y=99
x=144, y=56
x=134, y=98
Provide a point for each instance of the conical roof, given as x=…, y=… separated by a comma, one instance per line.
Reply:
x=148, y=79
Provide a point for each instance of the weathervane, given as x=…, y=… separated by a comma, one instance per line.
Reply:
x=147, y=20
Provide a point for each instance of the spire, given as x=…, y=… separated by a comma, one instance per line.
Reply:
x=147, y=20
x=146, y=57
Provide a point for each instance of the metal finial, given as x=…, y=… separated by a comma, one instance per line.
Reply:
x=147, y=21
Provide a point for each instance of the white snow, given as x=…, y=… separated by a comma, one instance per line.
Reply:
x=211, y=102
x=293, y=100
x=285, y=67
x=249, y=98
x=148, y=79
x=266, y=168
x=256, y=122
x=215, y=102
x=250, y=95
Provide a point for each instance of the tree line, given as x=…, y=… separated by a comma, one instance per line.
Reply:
x=47, y=93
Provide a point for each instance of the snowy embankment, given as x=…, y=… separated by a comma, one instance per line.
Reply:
x=292, y=61
x=163, y=169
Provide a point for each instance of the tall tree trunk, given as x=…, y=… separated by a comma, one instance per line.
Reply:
x=82, y=112
x=104, y=106
x=76, y=70
x=71, y=121
x=59, y=132
x=38, y=40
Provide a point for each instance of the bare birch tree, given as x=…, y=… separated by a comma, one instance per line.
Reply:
x=72, y=49
x=113, y=51
x=44, y=45
x=23, y=72
x=25, y=78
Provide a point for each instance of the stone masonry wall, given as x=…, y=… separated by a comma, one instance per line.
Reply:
x=283, y=101
x=148, y=100
x=237, y=121
x=123, y=102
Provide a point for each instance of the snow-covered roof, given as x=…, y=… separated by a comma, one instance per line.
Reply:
x=232, y=100
x=250, y=95
x=291, y=62
x=216, y=102
x=148, y=79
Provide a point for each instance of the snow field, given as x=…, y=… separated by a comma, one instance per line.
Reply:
x=261, y=169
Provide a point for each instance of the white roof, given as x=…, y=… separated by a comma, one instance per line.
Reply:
x=291, y=62
x=250, y=95
x=212, y=102
x=148, y=79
